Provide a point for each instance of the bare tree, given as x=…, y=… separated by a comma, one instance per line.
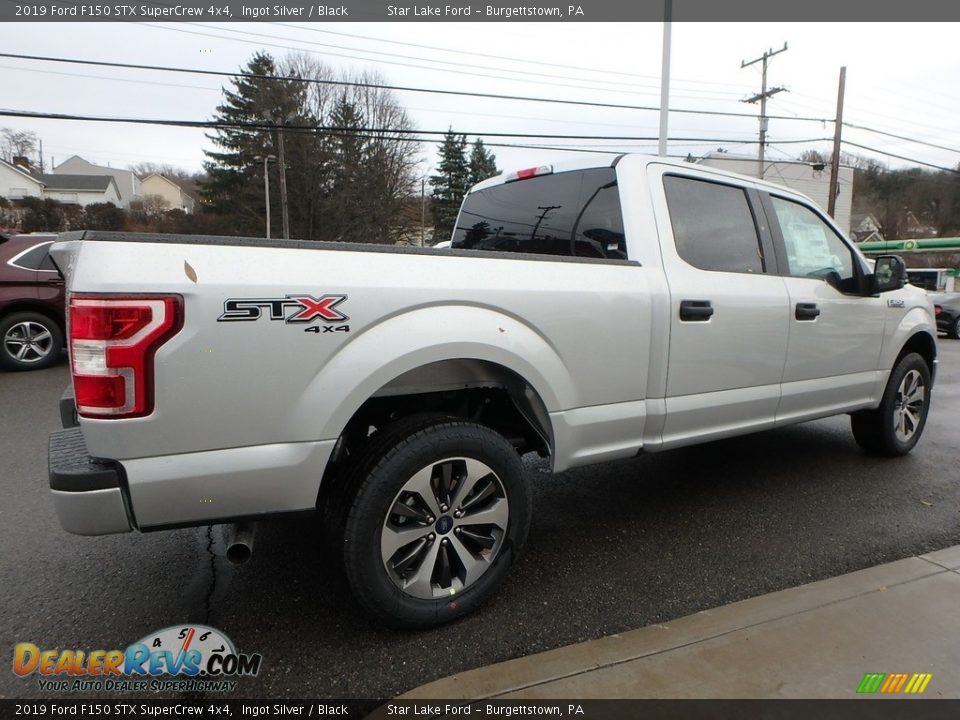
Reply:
x=142, y=169
x=349, y=152
x=155, y=205
x=349, y=183
x=814, y=157
x=19, y=143
x=188, y=181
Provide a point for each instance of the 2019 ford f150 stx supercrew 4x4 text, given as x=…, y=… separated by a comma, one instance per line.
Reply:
x=586, y=313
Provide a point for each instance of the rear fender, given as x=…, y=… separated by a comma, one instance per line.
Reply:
x=423, y=336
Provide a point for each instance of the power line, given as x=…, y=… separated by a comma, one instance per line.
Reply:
x=218, y=90
x=631, y=85
x=515, y=117
x=111, y=78
x=344, y=83
x=872, y=112
x=218, y=124
x=261, y=43
x=473, y=53
x=900, y=137
x=885, y=133
x=901, y=157
x=398, y=88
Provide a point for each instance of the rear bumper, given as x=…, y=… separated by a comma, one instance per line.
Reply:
x=87, y=493
x=93, y=496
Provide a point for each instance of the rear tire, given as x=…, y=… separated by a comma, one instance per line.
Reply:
x=439, y=510
x=954, y=332
x=896, y=425
x=29, y=341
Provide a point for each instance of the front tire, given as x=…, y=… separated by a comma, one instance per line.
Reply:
x=440, y=511
x=954, y=332
x=896, y=425
x=29, y=341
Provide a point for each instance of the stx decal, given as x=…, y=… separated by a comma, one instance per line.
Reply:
x=293, y=309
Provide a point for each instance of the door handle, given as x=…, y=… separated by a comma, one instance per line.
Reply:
x=696, y=310
x=806, y=311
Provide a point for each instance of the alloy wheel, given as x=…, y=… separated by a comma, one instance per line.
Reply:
x=444, y=528
x=28, y=342
x=908, y=406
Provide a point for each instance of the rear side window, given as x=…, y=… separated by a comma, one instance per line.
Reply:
x=575, y=214
x=713, y=226
x=37, y=258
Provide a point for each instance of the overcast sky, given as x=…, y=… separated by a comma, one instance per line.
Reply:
x=901, y=78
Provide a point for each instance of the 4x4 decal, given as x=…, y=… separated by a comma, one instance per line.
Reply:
x=292, y=309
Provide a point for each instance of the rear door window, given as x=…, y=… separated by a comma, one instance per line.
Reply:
x=713, y=225
x=574, y=214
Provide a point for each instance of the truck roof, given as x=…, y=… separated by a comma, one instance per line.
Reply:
x=589, y=163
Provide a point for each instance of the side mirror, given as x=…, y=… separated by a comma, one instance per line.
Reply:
x=889, y=273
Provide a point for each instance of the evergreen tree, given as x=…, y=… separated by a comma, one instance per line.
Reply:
x=343, y=184
x=234, y=187
x=483, y=163
x=346, y=197
x=450, y=184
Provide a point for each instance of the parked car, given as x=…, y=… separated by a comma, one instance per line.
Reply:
x=947, y=306
x=31, y=303
x=634, y=306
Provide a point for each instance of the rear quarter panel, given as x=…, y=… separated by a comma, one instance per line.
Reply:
x=577, y=332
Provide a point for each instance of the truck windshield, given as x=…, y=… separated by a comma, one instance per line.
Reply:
x=573, y=213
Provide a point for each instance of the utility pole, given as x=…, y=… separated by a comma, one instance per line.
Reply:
x=283, y=183
x=835, y=163
x=423, y=209
x=279, y=119
x=266, y=185
x=41, y=155
x=762, y=97
x=665, y=78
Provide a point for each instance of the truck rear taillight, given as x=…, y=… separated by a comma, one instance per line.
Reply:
x=937, y=309
x=113, y=340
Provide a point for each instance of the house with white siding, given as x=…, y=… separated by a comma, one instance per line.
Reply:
x=126, y=182
x=81, y=190
x=17, y=182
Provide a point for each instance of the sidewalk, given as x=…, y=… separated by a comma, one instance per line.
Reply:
x=813, y=641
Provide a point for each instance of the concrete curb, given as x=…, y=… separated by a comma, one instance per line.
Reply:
x=816, y=640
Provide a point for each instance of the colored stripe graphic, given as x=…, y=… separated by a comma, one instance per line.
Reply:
x=889, y=682
x=920, y=683
x=893, y=683
x=871, y=682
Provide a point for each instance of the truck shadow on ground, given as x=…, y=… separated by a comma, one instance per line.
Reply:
x=611, y=548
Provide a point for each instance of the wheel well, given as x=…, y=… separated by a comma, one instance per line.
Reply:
x=922, y=344
x=475, y=390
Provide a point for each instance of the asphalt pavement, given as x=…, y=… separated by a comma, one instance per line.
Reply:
x=612, y=548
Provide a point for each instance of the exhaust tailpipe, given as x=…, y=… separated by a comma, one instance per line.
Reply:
x=239, y=540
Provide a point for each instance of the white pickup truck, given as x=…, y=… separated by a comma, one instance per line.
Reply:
x=584, y=312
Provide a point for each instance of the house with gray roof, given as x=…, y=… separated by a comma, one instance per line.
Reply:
x=126, y=182
x=17, y=182
x=81, y=190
